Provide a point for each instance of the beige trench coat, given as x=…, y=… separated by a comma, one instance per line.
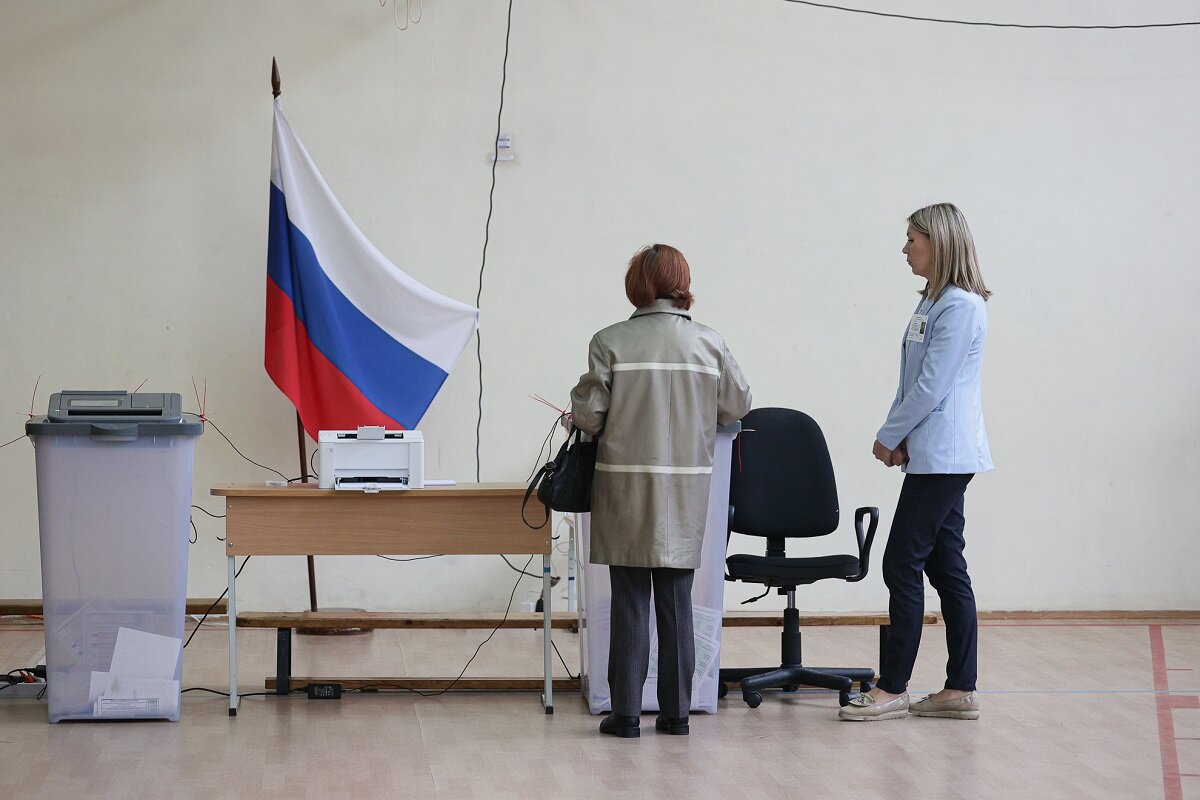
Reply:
x=657, y=386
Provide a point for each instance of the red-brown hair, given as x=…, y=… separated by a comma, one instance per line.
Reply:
x=659, y=271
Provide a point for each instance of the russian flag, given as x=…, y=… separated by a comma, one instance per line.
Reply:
x=350, y=339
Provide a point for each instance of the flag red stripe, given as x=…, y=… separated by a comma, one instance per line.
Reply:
x=321, y=393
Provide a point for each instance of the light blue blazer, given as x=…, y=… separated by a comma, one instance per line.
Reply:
x=938, y=408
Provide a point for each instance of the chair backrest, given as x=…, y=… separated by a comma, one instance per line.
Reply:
x=781, y=481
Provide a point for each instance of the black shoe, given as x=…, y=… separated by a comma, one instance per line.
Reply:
x=621, y=725
x=676, y=726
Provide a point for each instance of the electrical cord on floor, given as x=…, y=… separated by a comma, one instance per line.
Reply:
x=204, y=616
x=226, y=694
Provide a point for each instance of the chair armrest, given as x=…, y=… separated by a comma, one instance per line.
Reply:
x=864, y=541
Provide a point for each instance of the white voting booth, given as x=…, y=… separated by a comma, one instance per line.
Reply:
x=708, y=597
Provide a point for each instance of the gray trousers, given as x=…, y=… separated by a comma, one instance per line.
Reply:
x=629, y=638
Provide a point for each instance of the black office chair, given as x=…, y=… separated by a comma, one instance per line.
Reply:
x=782, y=487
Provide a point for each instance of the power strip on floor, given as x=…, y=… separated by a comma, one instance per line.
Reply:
x=324, y=691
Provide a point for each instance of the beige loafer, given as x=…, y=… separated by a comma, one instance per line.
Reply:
x=959, y=708
x=865, y=708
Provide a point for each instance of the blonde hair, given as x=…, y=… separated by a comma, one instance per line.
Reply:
x=954, y=259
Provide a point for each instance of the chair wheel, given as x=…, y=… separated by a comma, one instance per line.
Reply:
x=865, y=687
x=790, y=687
x=722, y=689
x=843, y=698
x=753, y=699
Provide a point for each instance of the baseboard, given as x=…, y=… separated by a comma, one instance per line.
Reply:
x=33, y=607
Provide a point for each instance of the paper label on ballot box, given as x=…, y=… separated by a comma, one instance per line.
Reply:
x=126, y=707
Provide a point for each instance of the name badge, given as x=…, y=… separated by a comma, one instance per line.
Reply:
x=916, y=328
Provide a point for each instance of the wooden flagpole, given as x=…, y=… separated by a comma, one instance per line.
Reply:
x=312, y=566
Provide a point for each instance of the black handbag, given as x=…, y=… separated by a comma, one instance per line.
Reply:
x=565, y=484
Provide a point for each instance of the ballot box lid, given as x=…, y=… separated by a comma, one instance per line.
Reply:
x=114, y=414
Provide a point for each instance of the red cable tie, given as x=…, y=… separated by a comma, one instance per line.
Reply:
x=33, y=398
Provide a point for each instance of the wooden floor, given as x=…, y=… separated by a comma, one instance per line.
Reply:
x=1070, y=710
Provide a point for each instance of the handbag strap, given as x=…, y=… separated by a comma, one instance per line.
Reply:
x=532, y=485
x=537, y=479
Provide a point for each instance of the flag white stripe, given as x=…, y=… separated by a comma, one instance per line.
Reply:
x=653, y=469
x=433, y=326
x=667, y=366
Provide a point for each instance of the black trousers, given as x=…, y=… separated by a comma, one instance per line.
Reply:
x=927, y=536
x=629, y=638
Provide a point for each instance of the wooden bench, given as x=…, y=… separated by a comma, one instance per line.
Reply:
x=34, y=608
x=284, y=622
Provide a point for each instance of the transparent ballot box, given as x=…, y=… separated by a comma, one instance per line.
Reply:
x=114, y=484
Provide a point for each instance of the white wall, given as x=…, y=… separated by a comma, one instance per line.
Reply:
x=779, y=146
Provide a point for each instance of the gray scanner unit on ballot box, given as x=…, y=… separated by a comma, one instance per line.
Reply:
x=372, y=459
x=115, y=415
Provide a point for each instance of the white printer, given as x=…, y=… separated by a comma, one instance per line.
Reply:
x=372, y=459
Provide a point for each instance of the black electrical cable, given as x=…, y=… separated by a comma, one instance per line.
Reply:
x=226, y=694
x=554, y=644
x=538, y=464
x=19, y=679
x=487, y=228
x=192, y=522
x=14, y=441
x=450, y=686
x=993, y=24
x=30, y=670
x=414, y=558
x=520, y=570
x=206, y=511
x=234, y=446
x=207, y=611
x=759, y=597
x=17, y=676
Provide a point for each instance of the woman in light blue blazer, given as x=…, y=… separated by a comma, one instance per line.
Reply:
x=935, y=433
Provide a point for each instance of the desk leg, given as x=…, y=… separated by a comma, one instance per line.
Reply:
x=571, y=601
x=233, y=690
x=548, y=669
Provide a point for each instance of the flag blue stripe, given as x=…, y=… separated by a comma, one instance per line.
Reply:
x=396, y=380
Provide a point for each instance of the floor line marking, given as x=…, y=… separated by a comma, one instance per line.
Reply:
x=1172, y=780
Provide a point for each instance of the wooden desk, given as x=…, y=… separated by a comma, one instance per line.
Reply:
x=478, y=519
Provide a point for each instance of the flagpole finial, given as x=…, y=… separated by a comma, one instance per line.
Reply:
x=274, y=78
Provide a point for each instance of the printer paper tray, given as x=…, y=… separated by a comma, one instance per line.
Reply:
x=370, y=484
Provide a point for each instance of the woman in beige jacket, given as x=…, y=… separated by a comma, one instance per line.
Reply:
x=657, y=386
